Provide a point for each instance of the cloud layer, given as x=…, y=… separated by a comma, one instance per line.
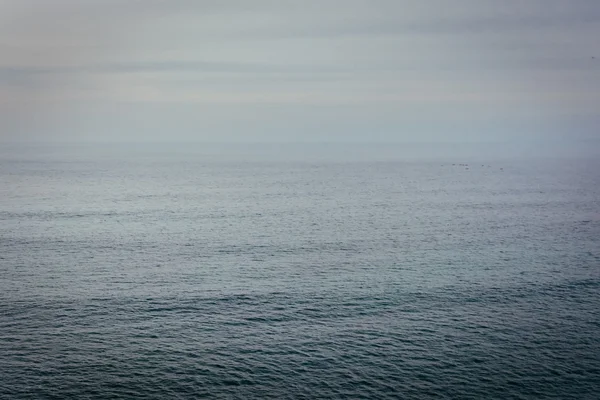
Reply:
x=289, y=70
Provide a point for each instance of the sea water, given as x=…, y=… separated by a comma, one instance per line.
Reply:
x=298, y=271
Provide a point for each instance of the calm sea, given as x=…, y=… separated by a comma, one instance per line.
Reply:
x=298, y=271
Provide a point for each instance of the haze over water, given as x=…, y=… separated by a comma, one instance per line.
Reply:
x=299, y=271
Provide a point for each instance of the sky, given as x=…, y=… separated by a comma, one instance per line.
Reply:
x=312, y=70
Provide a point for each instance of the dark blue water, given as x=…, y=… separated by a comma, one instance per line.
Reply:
x=178, y=272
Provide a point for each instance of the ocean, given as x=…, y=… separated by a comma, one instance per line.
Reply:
x=158, y=271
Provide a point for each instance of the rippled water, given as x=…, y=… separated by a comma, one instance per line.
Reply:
x=164, y=273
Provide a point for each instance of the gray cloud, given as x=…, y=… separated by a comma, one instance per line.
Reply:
x=160, y=66
x=377, y=63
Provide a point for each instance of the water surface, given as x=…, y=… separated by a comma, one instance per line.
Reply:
x=297, y=272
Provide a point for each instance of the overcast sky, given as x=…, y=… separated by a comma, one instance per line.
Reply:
x=323, y=70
